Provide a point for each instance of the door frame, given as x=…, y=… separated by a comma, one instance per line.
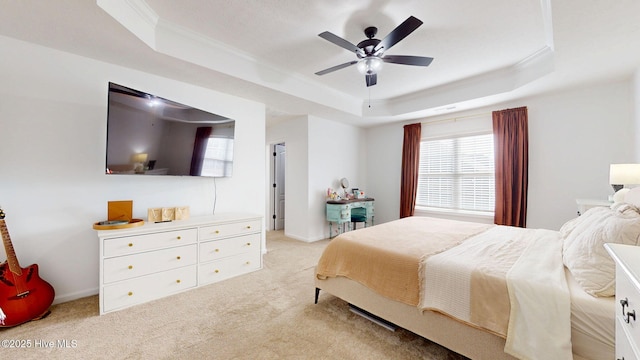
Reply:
x=271, y=210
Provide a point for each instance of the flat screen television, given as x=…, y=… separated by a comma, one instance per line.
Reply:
x=149, y=135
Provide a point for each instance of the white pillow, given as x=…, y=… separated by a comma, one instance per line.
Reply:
x=583, y=248
x=589, y=216
x=633, y=196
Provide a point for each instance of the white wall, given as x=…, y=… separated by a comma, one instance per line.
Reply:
x=384, y=165
x=319, y=152
x=336, y=151
x=53, y=115
x=573, y=137
x=294, y=134
x=636, y=112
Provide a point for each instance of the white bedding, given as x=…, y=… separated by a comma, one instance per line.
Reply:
x=592, y=322
x=540, y=319
x=515, y=253
x=446, y=285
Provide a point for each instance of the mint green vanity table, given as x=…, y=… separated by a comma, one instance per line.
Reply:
x=341, y=212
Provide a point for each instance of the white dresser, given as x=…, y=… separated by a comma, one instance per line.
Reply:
x=627, y=260
x=151, y=261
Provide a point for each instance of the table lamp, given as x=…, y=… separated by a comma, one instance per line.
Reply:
x=621, y=175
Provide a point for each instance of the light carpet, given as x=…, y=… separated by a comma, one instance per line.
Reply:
x=267, y=314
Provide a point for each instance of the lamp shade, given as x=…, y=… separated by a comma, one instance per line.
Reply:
x=624, y=174
x=139, y=158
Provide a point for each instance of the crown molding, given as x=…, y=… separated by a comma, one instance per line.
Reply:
x=179, y=42
x=176, y=41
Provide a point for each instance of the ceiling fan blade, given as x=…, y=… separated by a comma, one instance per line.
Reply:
x=340, y=42
x=399, y=33
x=408, y=60
x=371, y=79
x=337, y=67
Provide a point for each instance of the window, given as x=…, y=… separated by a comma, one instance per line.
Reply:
x=457, y=173
x=218, y=157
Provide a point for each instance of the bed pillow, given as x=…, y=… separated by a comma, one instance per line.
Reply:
x=589, y=216
x=625, y=208
x=633, y=196
x=583, y=247
x=595, y=214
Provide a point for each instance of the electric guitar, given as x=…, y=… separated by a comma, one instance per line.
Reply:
x=24, y=296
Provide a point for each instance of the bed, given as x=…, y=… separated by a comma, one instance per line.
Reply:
x=487, y=291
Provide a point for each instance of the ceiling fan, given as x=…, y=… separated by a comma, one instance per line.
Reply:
x=370, y=52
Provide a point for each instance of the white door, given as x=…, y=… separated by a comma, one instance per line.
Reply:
x=278, y=183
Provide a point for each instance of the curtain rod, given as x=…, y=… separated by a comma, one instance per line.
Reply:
x=456, y=118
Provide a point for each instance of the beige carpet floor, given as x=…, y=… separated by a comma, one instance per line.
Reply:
x=268, y=314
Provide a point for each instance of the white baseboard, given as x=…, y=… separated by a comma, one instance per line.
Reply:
x=59, y=299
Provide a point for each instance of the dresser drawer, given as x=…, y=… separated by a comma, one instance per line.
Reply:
x=133, y=244
x=338, y=212
x=625, y=290
x=230, y=229
x=217, y=249
x=624, y=349
x=229, y=267
x=130, y=266
x=146, y=288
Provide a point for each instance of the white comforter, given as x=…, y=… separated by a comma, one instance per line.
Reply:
x=538, y=300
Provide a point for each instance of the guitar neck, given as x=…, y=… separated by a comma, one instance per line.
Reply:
x=12, y=259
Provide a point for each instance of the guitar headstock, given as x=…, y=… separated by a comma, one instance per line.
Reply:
x=1, y=214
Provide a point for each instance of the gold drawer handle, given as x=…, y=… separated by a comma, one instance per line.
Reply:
x=216, y=250
x=216, y=271
x=130, y=244
x=178, y=281
x=130, y=267
x=217, y=232
x=130, y=293
x=248, y=244
x=248, y=226
x=248, y=262
x=178, y=257
x=179, y=237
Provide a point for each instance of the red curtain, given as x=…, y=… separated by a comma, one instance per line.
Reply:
x=510, y=130
x=410, y=167
x=199, y=148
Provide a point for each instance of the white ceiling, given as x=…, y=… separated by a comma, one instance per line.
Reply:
x=484, y=52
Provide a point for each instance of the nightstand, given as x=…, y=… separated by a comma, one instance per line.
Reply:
x=586, y=204
x=627, y=260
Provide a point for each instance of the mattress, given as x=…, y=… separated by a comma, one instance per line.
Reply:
x=592, y=323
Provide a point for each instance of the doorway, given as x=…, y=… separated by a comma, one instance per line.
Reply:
x=279, y=153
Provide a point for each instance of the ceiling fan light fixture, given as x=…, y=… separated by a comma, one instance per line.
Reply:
x=369, y=65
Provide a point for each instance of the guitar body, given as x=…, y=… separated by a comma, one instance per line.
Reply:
x=23, y=297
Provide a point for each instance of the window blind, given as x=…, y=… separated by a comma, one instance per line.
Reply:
x=218, y=157
x=457, y=174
